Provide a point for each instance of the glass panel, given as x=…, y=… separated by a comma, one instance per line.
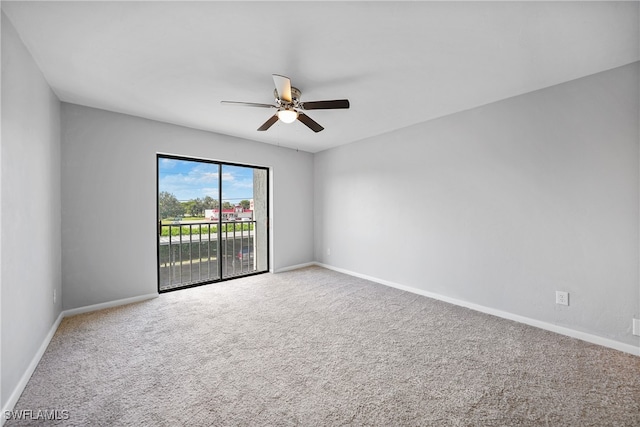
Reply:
x=188, y=239
x=244, y=192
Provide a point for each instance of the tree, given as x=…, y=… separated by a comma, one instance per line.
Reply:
x=196, y=208
x=169, y=205
x=210, y=203
x=245, y=204
x=186, y=206
x=227, y=205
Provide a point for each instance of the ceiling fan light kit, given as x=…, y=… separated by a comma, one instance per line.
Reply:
x=287, y=115
x=289, y=107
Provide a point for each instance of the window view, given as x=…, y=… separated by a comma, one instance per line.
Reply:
x=212, y=221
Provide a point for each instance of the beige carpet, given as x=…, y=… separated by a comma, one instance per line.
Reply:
x=313, y=347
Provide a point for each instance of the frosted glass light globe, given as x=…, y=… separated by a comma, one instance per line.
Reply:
x=287, y=116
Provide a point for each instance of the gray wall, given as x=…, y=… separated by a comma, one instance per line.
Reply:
x=109, y=199
x=30, y=213
x=501, y=205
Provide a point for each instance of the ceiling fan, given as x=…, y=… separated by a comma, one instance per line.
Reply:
x=289, y=107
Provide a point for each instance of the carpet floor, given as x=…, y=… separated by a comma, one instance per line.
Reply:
x=314, y=347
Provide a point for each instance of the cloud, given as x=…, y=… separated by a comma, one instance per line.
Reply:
x=168, y=163
x=245, y=183
x=211, y=192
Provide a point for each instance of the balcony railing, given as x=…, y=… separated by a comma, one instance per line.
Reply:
x=199, y=252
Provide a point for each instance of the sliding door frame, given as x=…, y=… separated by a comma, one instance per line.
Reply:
x=220, y=264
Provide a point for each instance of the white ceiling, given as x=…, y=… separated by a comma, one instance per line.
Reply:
x=399, y=63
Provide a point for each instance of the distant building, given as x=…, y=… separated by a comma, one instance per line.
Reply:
x=236, y=214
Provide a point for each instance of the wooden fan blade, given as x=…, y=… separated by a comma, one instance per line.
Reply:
x=283, y=87
x=247, y=104
x=326, y=105
x=309, y=122
x=266, y=125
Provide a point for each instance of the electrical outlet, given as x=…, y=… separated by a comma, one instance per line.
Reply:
x=636, y=327
x=328, y=251
x=54, y=296
x=562, y=298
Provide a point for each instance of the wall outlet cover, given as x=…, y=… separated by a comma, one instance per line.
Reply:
x=636, y=327
x=562, y=298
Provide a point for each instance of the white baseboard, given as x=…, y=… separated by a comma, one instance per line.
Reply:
x=594, y=339
x=295, y=267
x=116, y=303
x=13, y=399
x=26, y=376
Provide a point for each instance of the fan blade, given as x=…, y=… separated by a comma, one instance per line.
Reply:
x=309, y=122
x=247, y=104
x=326, y=105
x=266, y=125
x=283, y=86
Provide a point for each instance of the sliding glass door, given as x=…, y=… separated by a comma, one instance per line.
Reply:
x=212, y=221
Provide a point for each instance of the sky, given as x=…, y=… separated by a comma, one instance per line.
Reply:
x=189, y=180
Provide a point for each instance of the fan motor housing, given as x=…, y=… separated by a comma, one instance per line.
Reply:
x=295, y=94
